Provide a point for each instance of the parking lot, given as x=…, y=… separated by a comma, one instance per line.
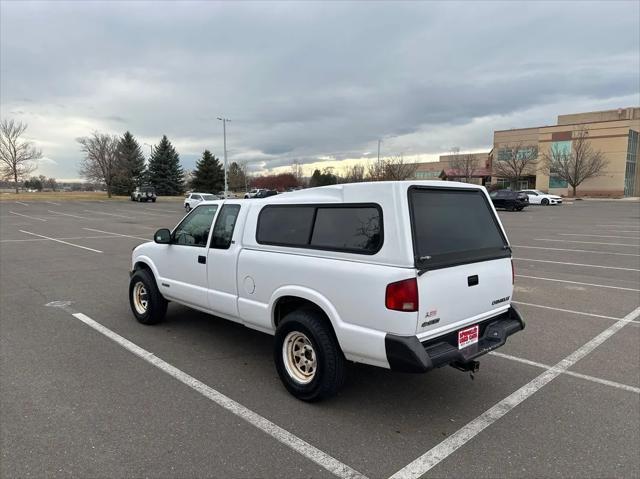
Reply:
x=89, y=392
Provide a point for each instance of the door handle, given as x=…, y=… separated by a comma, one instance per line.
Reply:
x=202, y=259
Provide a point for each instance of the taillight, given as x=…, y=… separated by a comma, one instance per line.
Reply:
x=403, y=295
x=513, y=274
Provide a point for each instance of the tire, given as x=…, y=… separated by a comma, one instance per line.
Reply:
x=153, y=200
x=187, y=208
x=305, y=328
x=545, y=202
x=520, y=208
x=156, y=306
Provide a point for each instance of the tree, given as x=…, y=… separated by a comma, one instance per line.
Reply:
x=51, y=183
x=463, y=165
x=391, y=169
x=130, y=167
x=34, y=183
x=208, y=176
x=18, y=157
x=236, y=176
x=297, y=171
x=322, y=179
x=280, y=182
x=101, y=158
x=514, y=161
x=164, y=171
x=577, y=163
x=354, y=174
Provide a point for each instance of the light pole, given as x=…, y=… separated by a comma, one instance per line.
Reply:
x=379, y=141
x=224, y=133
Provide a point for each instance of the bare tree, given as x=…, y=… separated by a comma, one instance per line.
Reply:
x=100, y=163
x=515, y=161
x=297, y=171
x=354, y=173
x=391, y=169
x=18, y=157
x=464, y=166
x=577, y=164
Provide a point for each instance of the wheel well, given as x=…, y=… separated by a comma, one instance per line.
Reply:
x=287, y=304
x=145, y=266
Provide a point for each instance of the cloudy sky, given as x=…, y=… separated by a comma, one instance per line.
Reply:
x=312, y=82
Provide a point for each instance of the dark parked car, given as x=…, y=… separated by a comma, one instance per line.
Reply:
x=265, y=193
x=509, y=200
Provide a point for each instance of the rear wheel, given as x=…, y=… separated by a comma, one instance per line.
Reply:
x=187, y=207
x=308, y=357
x=545, y=201
x=153, y=200
x=147, y=304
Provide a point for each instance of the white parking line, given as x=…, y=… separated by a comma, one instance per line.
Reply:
x=52, y=203
x=147, y=213
x=581, y=313
x=61, y=241
x=462, y=436
x=68, y=214
x=576, y=250
x=109, y=214
x=586, y=242
x=69, y=238
x=282, y=435
x=27, y=216
x=598, y=236
x=21, y=203
x=594, y=379
x=576, y=264
x=625, y=225
x=118, y=234
x=577, y=282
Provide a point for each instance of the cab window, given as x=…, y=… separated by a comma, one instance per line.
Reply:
x=194, y=229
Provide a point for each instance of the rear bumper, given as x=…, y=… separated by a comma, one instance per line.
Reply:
x=408, y=354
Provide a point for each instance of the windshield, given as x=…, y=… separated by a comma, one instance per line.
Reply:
x=453, y=226
x=208, y=197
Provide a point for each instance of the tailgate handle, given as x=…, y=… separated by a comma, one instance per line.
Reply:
x=472, y=280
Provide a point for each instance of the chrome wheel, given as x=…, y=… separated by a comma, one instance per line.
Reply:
x=299, y=357
x=140, y=298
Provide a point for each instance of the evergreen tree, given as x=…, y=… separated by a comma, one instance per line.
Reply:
x=164, y=172
x=130, y=166
x=236, y=177
x=323, y=179
x=209, y=175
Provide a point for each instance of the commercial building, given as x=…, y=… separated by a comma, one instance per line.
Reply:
x=613, y=132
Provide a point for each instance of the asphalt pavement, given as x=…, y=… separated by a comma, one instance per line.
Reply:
x=200, y=396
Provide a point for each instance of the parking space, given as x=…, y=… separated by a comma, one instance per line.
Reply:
x=79, y=401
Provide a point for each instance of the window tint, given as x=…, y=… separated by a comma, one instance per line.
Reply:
x=340, y=228
x=225, y=224
x=453, y=226
x=285, y=225
x=194, y=229
x=347, y=228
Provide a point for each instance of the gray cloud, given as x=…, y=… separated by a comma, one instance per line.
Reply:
x=303, y=81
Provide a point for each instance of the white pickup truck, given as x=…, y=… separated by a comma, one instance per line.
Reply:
x=403, y=275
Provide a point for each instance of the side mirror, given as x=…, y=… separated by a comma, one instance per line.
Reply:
x=162, y=236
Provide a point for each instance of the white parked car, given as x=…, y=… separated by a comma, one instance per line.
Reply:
x=253, y=192
x=193, y=199
x=403, y=275
x=537, y=197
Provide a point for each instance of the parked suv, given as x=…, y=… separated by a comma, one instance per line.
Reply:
x=144, y=193
x=192, y=199
x=403, y=275
x=253, y=193
x=510, y=200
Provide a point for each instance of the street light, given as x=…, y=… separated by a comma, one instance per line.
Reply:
x=224, y=133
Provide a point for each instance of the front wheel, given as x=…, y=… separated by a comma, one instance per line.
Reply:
x=545, y=202
x=147, y=304
x=308, y=357
x=153, y=200
x=187, y=208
